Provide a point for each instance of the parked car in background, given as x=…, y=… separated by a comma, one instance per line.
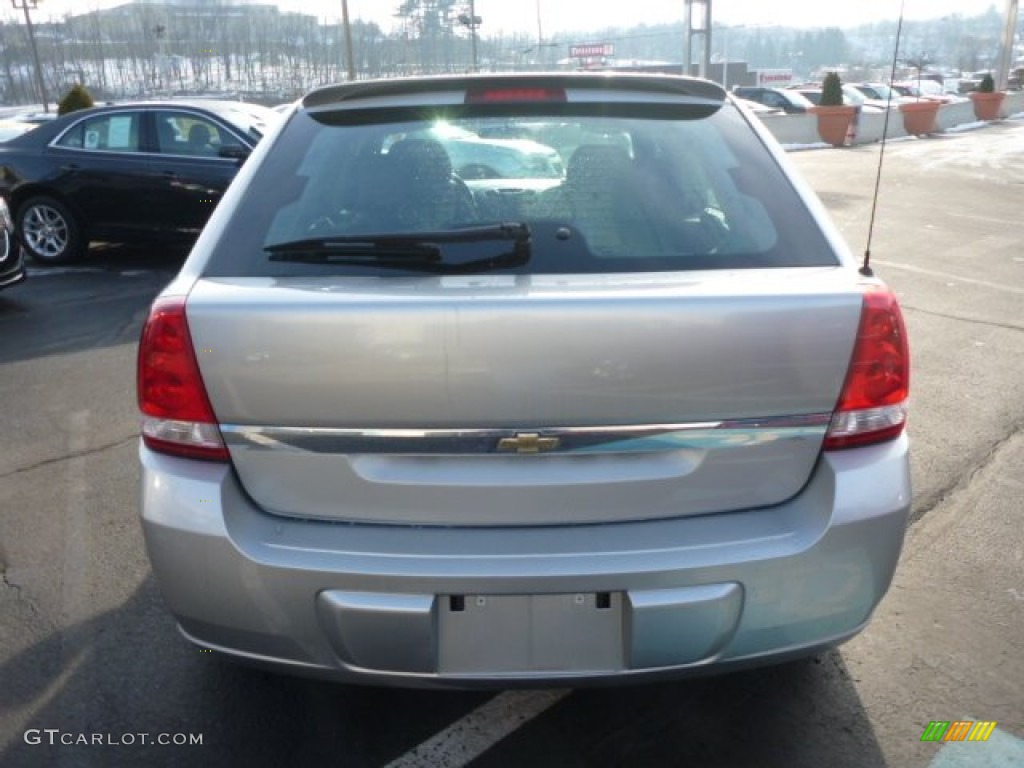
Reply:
x=880, y=93
x=124, y=173
x=926, y=89
x=476, y=158
x=254, y=118
x=790, y=102
x=483, y=158
x=638, y=420
x=969, y=81
x=850, y=97
x=10, y=128
x=758, y=108
x=12, y=266
x=35, y=118
x=853, y=95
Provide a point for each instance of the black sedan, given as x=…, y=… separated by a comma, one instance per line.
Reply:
x=124, y=173
x=12, y=268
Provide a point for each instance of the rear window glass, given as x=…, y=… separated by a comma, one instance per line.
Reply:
x=118, y=132
x=626, y=190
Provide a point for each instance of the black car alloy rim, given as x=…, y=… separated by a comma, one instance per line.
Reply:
x=45, y=231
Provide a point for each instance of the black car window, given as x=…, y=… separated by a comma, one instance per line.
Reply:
x=191, y=134
x=115, y=132
x=644, y=190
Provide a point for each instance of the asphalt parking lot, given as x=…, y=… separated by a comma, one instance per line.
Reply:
x=86, y=648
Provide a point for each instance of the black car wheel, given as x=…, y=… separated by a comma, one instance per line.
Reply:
x=49, y=231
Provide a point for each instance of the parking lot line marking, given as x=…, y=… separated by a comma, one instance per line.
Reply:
x=471, y=736
x=949, y=276
x=1001, y=749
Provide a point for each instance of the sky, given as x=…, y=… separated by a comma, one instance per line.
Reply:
x=563, y=16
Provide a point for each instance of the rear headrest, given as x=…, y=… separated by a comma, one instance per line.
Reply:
x=597, y=162
x=420, y=160
x=198, y=135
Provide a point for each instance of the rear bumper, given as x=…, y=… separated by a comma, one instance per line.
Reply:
x=473, y=606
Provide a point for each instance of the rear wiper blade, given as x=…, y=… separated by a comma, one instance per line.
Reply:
x=517, y=231
x=323, y=249
x=413, y=250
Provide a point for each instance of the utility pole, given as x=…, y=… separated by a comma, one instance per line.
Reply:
x=350, y=59
x=540, y=32
x=26, y=6
x=725, y=53
x=1006, y=51
x=472, y=21
x=698, y=24
x=472, y=30
x=158, y=75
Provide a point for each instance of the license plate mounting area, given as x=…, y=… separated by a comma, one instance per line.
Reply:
x=518, y=634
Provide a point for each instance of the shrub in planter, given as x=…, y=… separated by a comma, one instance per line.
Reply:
x=76, y=98
x=986, y=99
x=834, y=117
x=831, y=91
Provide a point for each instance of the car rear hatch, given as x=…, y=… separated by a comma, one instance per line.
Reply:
x=501, y=401
x=629, y=381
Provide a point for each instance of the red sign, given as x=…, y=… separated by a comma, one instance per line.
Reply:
x=591, y=50
x=769, y=77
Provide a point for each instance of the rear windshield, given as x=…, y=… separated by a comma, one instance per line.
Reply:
x=630, y=189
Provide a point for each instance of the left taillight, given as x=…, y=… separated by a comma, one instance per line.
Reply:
x=177, y=417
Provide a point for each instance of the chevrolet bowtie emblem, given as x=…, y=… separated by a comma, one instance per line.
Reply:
x=527, y=442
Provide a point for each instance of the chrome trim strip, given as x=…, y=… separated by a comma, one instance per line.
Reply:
x=577, y=440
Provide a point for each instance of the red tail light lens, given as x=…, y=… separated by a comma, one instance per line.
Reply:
x=873, y=404
x=176, y=414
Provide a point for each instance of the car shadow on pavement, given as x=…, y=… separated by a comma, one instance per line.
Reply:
x=96, y=302
x=803, y=714
x=128, y=672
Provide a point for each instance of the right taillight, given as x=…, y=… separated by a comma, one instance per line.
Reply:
x=873, y=404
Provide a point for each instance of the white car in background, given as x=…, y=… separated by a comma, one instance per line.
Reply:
x=10, y=128
x=927, y=89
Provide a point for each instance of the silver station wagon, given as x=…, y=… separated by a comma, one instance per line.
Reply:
x=619, y=406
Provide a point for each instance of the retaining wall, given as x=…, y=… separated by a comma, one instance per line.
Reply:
x=796, y=131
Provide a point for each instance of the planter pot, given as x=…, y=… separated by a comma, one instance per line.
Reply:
x=919, y=117
x=986, y=105
x=835, y=124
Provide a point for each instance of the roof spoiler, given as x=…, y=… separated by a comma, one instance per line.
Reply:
x=664, y=85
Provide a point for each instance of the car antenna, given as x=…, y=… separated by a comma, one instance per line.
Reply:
x=865, y=267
